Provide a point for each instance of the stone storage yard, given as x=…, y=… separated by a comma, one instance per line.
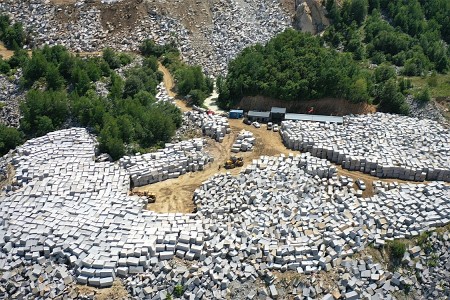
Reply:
x=281, y=213
x=383, y=145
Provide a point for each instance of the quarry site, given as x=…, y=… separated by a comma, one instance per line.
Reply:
x=315, y=211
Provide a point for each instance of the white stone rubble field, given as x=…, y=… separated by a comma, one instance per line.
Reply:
x=234, y=26
x=280, y=213
x=383, y=145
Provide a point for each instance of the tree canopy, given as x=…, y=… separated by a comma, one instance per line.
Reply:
x=293, y=66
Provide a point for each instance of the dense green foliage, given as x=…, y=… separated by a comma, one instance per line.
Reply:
x=294, y=66
x=12, y=36
x=190, y=80
x=9, y=138
x=413, y=38
x=61, y=92
x=411, y=35
x=396, y=250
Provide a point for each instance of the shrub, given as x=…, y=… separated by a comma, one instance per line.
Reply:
x=397, y=249
x=178, y=290
x=424, y=95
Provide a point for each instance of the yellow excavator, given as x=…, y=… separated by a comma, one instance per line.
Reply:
x=234, y=162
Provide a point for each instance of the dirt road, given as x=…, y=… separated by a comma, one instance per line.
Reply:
x=175, y=195
x=5, y=53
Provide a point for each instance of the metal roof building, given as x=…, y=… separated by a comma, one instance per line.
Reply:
x=260, y=116
x=278, y=110
x=314, y=118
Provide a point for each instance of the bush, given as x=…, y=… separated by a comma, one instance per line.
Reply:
x=4, y=66
x=10, y=138
x=178, y=291
x=111, y=58
x=397, y=250
x=423, y=96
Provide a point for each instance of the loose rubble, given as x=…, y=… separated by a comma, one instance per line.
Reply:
x=10, y=97
x=382, y=145
x=234, y=26
x=427, y=110
x=171, y=162
x=244, y=142
x=281, y=213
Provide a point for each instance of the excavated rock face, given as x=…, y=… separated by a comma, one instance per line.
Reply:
x=310, y=16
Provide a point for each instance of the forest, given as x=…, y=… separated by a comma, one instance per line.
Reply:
x=61, y=92
x=366, y=55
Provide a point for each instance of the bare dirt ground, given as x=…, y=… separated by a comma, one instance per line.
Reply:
x=5, y=53
x=116, y=292
x=326, y=106
x=175, y=195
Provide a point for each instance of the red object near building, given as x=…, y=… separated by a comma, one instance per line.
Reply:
x=311, y=110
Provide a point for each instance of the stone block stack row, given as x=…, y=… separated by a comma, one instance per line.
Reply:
x=171, y=162
x=214, y=126
x=383, y=145
x=244, y=142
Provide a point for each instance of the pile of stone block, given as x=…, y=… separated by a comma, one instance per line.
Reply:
x=171, y=162
x=212, y=125
x=280, y=213
x=383, y=145
x=162, y=95
x=244, y=142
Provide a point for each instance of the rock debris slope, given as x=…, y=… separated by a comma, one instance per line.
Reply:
x=85, y=26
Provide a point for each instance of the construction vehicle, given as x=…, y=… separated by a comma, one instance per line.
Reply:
x=151, y=198
x=234, y=162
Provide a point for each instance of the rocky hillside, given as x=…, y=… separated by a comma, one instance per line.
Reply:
x=209, y=33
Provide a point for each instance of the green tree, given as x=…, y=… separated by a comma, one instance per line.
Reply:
x=111, y=58
x=20, y=58
x=384, y=72
x=116, y=86
x=4, y=66
x=391, y=99
x=37, y=104
x=14, y=36
x=423, y=95
x=133, y=85
x=358, y=10
x=35, y=68
x=359, y=91
x=80, y=80
x=44, y=125
x=54, y=80
x=149, y=48
x=10, y=137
